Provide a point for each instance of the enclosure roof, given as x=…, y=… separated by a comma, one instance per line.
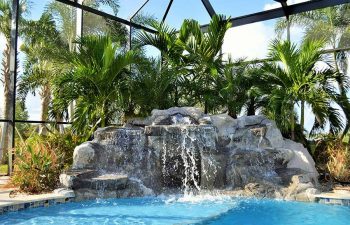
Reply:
x=173, y=12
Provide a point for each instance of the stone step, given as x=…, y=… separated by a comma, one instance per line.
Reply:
x=93, y=180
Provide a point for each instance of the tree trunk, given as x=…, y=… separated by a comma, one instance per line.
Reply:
x=206, y=108
x=5, y=143
x=343, y=96
x=251, y=107
x=45, y=95
x=292, y=126
x=176, y=96
x=302, y=115
x=288, y=30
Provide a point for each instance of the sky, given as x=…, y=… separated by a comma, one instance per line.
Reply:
x=249, y=41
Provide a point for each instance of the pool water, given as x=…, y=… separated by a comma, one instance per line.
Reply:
x=173, y=210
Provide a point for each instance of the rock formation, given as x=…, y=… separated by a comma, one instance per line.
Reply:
x=182, y=149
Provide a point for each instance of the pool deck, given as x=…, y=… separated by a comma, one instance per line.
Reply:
x=4, y=180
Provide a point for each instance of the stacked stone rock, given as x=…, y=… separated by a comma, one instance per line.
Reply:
x=246, y=156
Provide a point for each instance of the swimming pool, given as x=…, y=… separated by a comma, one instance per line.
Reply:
x=175, y=210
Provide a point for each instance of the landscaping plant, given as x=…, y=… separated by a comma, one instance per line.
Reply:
x=37, y=166
x=41, y=159
x=338, y=163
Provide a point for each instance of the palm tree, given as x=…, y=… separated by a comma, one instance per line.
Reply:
x=204, y=59
x=331, y=24
x=95, y=83
x=195, y=55
x=293, y=78
x=43, y=46
x=236, y=87
x=66, y=17
x=5, y=30
x=151, y=86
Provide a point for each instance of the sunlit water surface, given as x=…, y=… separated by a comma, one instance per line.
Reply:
x=183, y=210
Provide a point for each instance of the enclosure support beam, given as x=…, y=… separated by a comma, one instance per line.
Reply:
x=13, y=76
x=137, y=12
x=279, y=12
x=209, y=7
x=106, y=15
x=131, y=18
x=167, y=10
x=284, y=7
x=286, y=13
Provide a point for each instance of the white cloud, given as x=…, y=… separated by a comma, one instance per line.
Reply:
x=34, y=107
x=275, y=5
x=249, y=41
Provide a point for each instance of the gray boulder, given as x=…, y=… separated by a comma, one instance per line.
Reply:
x=184, y=149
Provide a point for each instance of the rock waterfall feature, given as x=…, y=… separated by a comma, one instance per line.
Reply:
x=183, y=150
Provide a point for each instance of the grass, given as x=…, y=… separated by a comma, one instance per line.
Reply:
x=3, y=169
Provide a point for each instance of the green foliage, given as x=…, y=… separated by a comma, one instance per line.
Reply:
x=22, y=114
x=193, y=56
x=332, y=154
x=41, y=159
x=152, y=86
x=65, y=17
x=37, y=167
x=237, y=87
x=95, y=83
x=64, y=144
x=42, y=47
x=293, y=79
x=3, y=169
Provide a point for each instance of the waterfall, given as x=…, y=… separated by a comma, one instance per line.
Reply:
x=187, y=160
x=188, y=154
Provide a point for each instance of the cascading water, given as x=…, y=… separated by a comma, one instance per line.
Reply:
x=180, y=158
x=186, y=156
x=191, y=176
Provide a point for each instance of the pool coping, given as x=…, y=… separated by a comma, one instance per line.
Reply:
x=334, y=198
x=22, y=201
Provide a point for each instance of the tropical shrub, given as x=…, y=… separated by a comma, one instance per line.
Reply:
x=64, y=145
x=338, y=164
x=294, y=79
x=37, y=167
x=41, y=159
x=237, y=87
x=95, y=81
x=332, y=155
x=152, y=87
x=193, y=56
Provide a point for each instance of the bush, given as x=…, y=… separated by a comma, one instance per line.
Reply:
x=37, y=167
x=41, y=159
x=64, y=145
x=332, y=155
x=338, y=164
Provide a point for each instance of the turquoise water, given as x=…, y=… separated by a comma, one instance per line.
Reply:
x=183, y=211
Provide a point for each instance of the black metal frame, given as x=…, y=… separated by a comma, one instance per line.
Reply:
x=209, y=7
x=167, y=10
x=131, y=18
x=280, y=12
x=284, y=10
x=106, y=15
